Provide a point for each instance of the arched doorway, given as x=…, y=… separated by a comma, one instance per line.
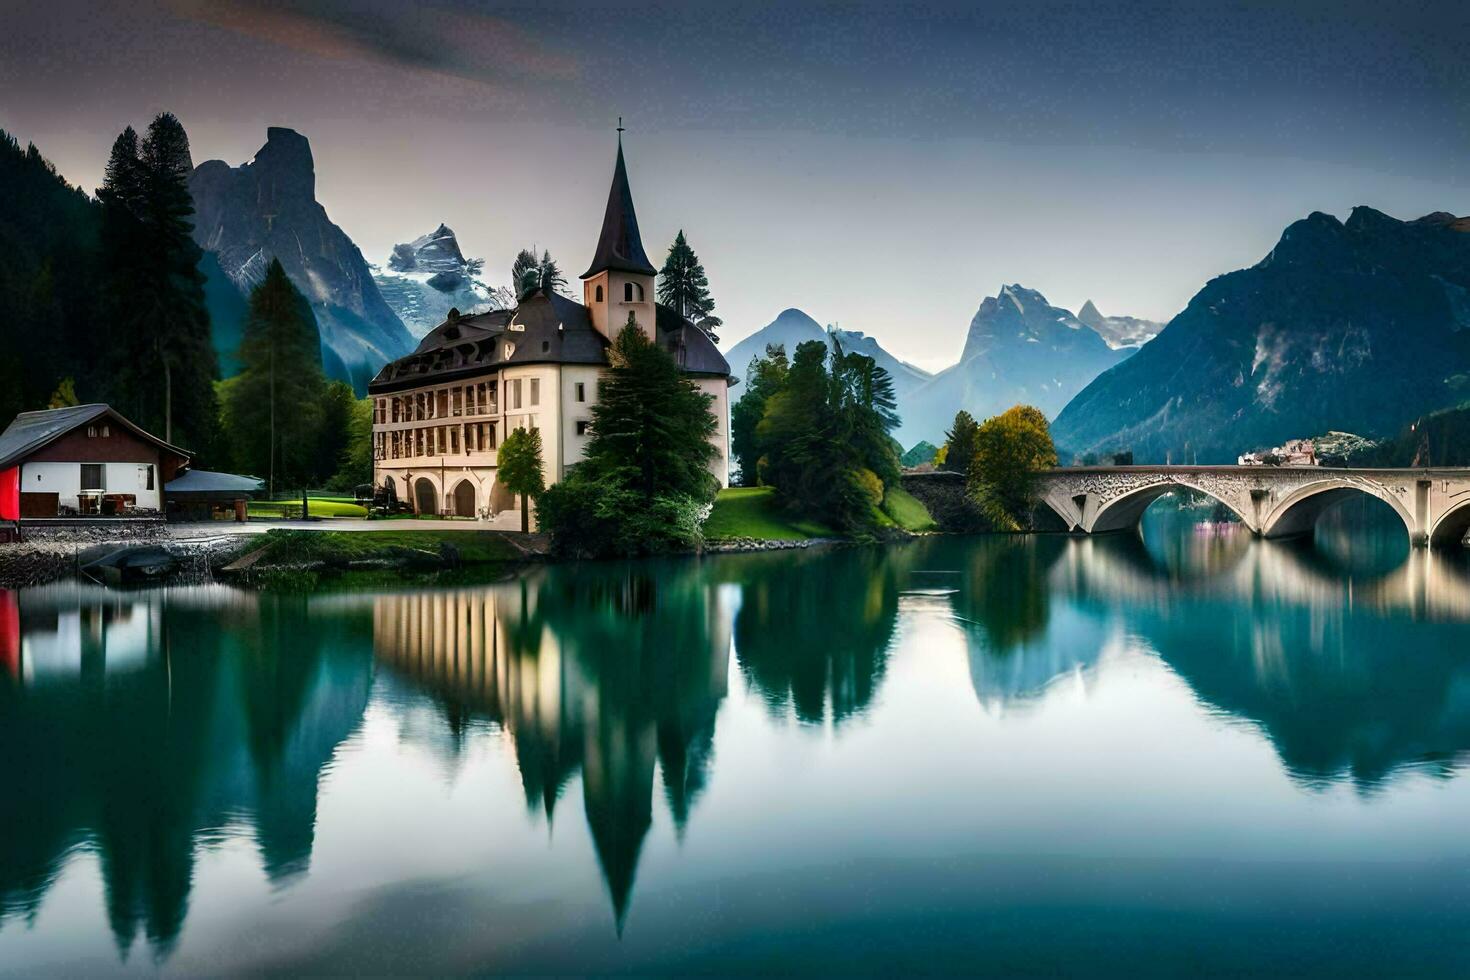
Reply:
x=464, y=499
x=425, y=497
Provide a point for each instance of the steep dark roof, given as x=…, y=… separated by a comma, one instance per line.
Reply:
x=619, y=247
x=544, y=329
x=32, y=430
x=691, y=346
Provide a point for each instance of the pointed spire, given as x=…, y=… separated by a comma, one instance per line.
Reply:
x=619, y=247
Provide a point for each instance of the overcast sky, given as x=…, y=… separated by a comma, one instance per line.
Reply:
x=880, y=165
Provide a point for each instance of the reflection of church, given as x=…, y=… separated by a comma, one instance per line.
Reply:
x=609, y=674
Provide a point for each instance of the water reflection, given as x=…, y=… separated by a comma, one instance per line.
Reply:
x=142, y=725
x=813, y=629
x=598, y=670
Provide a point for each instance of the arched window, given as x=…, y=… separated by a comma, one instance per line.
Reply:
x=640, y=291
x=627, y=292
x=599, y=295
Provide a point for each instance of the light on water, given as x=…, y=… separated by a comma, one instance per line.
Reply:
x=962, y=754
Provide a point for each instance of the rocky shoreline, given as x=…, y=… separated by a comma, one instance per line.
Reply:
x=730, y=546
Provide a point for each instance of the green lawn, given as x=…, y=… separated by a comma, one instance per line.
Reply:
x=752, y=512
x=319, y=507
x=293, y=547
x=906, y=511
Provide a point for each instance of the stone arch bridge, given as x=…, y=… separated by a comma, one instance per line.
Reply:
x=1274, y=502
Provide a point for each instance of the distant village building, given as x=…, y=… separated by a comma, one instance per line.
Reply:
x=1295, y=452
x=440, y=413
x=88, y=460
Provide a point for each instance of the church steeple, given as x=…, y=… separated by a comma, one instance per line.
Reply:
x=619, y=247
x=620, y=280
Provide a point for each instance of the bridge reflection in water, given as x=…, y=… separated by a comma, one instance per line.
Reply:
x=147, y=726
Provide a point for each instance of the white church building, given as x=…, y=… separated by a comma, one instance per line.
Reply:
x=440, y=412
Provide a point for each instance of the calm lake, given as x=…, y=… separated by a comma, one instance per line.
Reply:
x=1188, y=751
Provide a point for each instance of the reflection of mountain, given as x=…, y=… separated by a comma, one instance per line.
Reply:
x=136, y=722
x=1268, y=632
x=609, y=670
x=813, y=629
x=1341, y=695
x=1017, y=643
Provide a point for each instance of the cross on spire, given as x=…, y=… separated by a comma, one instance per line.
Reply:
x=620, y=131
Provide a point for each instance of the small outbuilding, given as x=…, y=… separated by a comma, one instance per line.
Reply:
x=199, y=495
x=82, y=460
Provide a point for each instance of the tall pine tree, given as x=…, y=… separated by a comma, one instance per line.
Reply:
x=684, y=287
x=165, y=358
x=273, y=408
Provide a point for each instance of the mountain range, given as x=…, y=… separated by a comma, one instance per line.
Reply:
x=425, y=278
x=794, y=327
x=267, y=208
x=1358, y=326
x=1018, y=349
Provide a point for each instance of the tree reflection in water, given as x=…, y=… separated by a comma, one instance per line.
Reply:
x=140, y=725
x=813, y=629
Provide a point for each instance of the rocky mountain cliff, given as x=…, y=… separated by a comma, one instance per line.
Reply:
x=1019, y=350
x=1356, y=326
x=266, y=209
x=1119, y=331
x=794, y=327
x=428, y=276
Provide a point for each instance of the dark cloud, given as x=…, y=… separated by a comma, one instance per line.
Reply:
x=453, y=40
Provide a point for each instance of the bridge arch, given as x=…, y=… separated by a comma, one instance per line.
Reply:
x=1450, y=530
x=1298, y=511
x=1124, y=512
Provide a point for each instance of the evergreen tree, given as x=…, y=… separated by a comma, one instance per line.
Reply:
x=529, y=274
x=684, y=287
x=167, y=364
x=644, y=483
x=49, y=273
x=959, y=443
x=764, y=376
x=824, y=437
x=519, y=469
x=273, y=410
x=651, y=424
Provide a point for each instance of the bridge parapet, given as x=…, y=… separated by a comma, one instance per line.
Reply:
x=1273, y=502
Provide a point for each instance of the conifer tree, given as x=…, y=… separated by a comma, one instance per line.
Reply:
x=166, y=364
x=651, y=424
x=529, y=274
x=684, y=287
x=960, y=442
x=764, y=377
x=273, y=408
